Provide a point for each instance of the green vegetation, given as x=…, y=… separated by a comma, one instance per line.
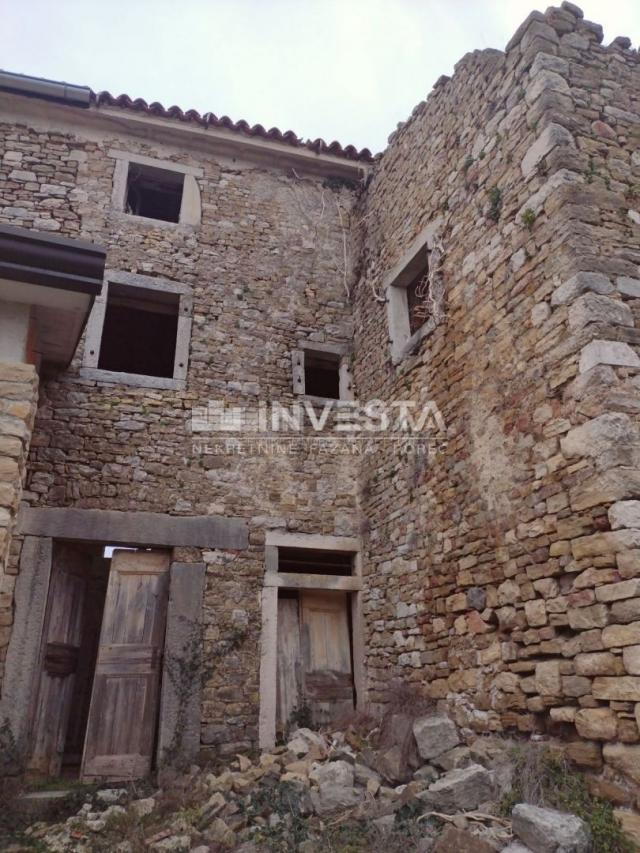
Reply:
x=543, y=778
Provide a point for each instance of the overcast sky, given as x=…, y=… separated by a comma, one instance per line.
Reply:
x=340, y=69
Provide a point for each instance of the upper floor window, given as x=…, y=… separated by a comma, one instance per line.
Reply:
x=156, y=190
x=154, y=193
x=407, y=290
x=322, y=371
x=138, y=332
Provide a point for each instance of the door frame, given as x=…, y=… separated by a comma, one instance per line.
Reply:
x=275, y=580
x=179, y=725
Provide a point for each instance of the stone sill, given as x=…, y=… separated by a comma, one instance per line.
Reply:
x=414, y=341
x=112, y=377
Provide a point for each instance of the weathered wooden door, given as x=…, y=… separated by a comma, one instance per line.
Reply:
x=122, y=721
x=289, y=662
x=326, y=655
x=62, y=635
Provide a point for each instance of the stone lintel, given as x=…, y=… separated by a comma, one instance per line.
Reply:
x=134, y=528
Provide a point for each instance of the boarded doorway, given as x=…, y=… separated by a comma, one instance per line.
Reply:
x=314, y=666
x=314, y=645
x=96, y=703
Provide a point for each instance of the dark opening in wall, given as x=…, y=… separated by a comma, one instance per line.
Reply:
x=314, y=562
x=416, y=292
x=322, y=374
x=154, y=193
x=139, y=332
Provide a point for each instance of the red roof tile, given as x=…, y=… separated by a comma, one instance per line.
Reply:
x=348, y=152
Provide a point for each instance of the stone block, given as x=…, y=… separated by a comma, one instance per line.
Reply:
x=576, y=686
x=628, y=286
x=584, y=618
x=607, y=352
x=624, y=514
x=631, y=659
x=621, y=635
x=623, y=612
x=550, y=831
x=608, y=486
x=615, y=591
x=593, y=308
x=336, y=790
x=620, y=688
x=536, y=612
x=611, y=439
x=434, y=735
x=585, y=754
x=552, y=136
x=548, y=680
x=624, y=758
x=596, y=723
x=582, y=282
x=461, y=789
x=630, y=822
x=628, y=563
x=596, y=663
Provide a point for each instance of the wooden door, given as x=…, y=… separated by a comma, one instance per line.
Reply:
x=289, y=675
x=62, y=635
x=326, y=655
x=122, y=723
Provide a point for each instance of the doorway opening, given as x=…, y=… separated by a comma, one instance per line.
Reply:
x=95, y=708
x=315, y=685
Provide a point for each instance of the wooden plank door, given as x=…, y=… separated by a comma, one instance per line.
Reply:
x=326, y=655
x=62, y=635
x=288, y=668
x=123, y=714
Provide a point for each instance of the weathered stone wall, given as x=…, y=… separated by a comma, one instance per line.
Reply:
x=266, y=267
x=502, y=576
x=18, y=397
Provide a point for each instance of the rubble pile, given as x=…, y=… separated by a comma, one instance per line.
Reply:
x=411, y=784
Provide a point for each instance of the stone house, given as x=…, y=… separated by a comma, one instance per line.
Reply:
x=171, y=585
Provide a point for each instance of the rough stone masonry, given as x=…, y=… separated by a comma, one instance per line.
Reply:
x=502, y=575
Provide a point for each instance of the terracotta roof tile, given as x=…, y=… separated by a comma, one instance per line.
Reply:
x=348, y=152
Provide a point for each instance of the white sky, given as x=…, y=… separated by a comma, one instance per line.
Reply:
x=339, y=69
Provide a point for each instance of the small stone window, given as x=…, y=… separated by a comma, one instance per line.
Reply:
x=154, y=193
x=322, y=371
x=160, y=193
x=138, y=332
x=407, y=290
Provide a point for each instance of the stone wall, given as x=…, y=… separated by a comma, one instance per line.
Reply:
x=502, y=576
x=18, y=396
x=266, y=268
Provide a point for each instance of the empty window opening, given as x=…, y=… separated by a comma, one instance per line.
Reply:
x=417, y=292
x=154, y=193
x=314, y=562
x=139, y=332
x=322, y=374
